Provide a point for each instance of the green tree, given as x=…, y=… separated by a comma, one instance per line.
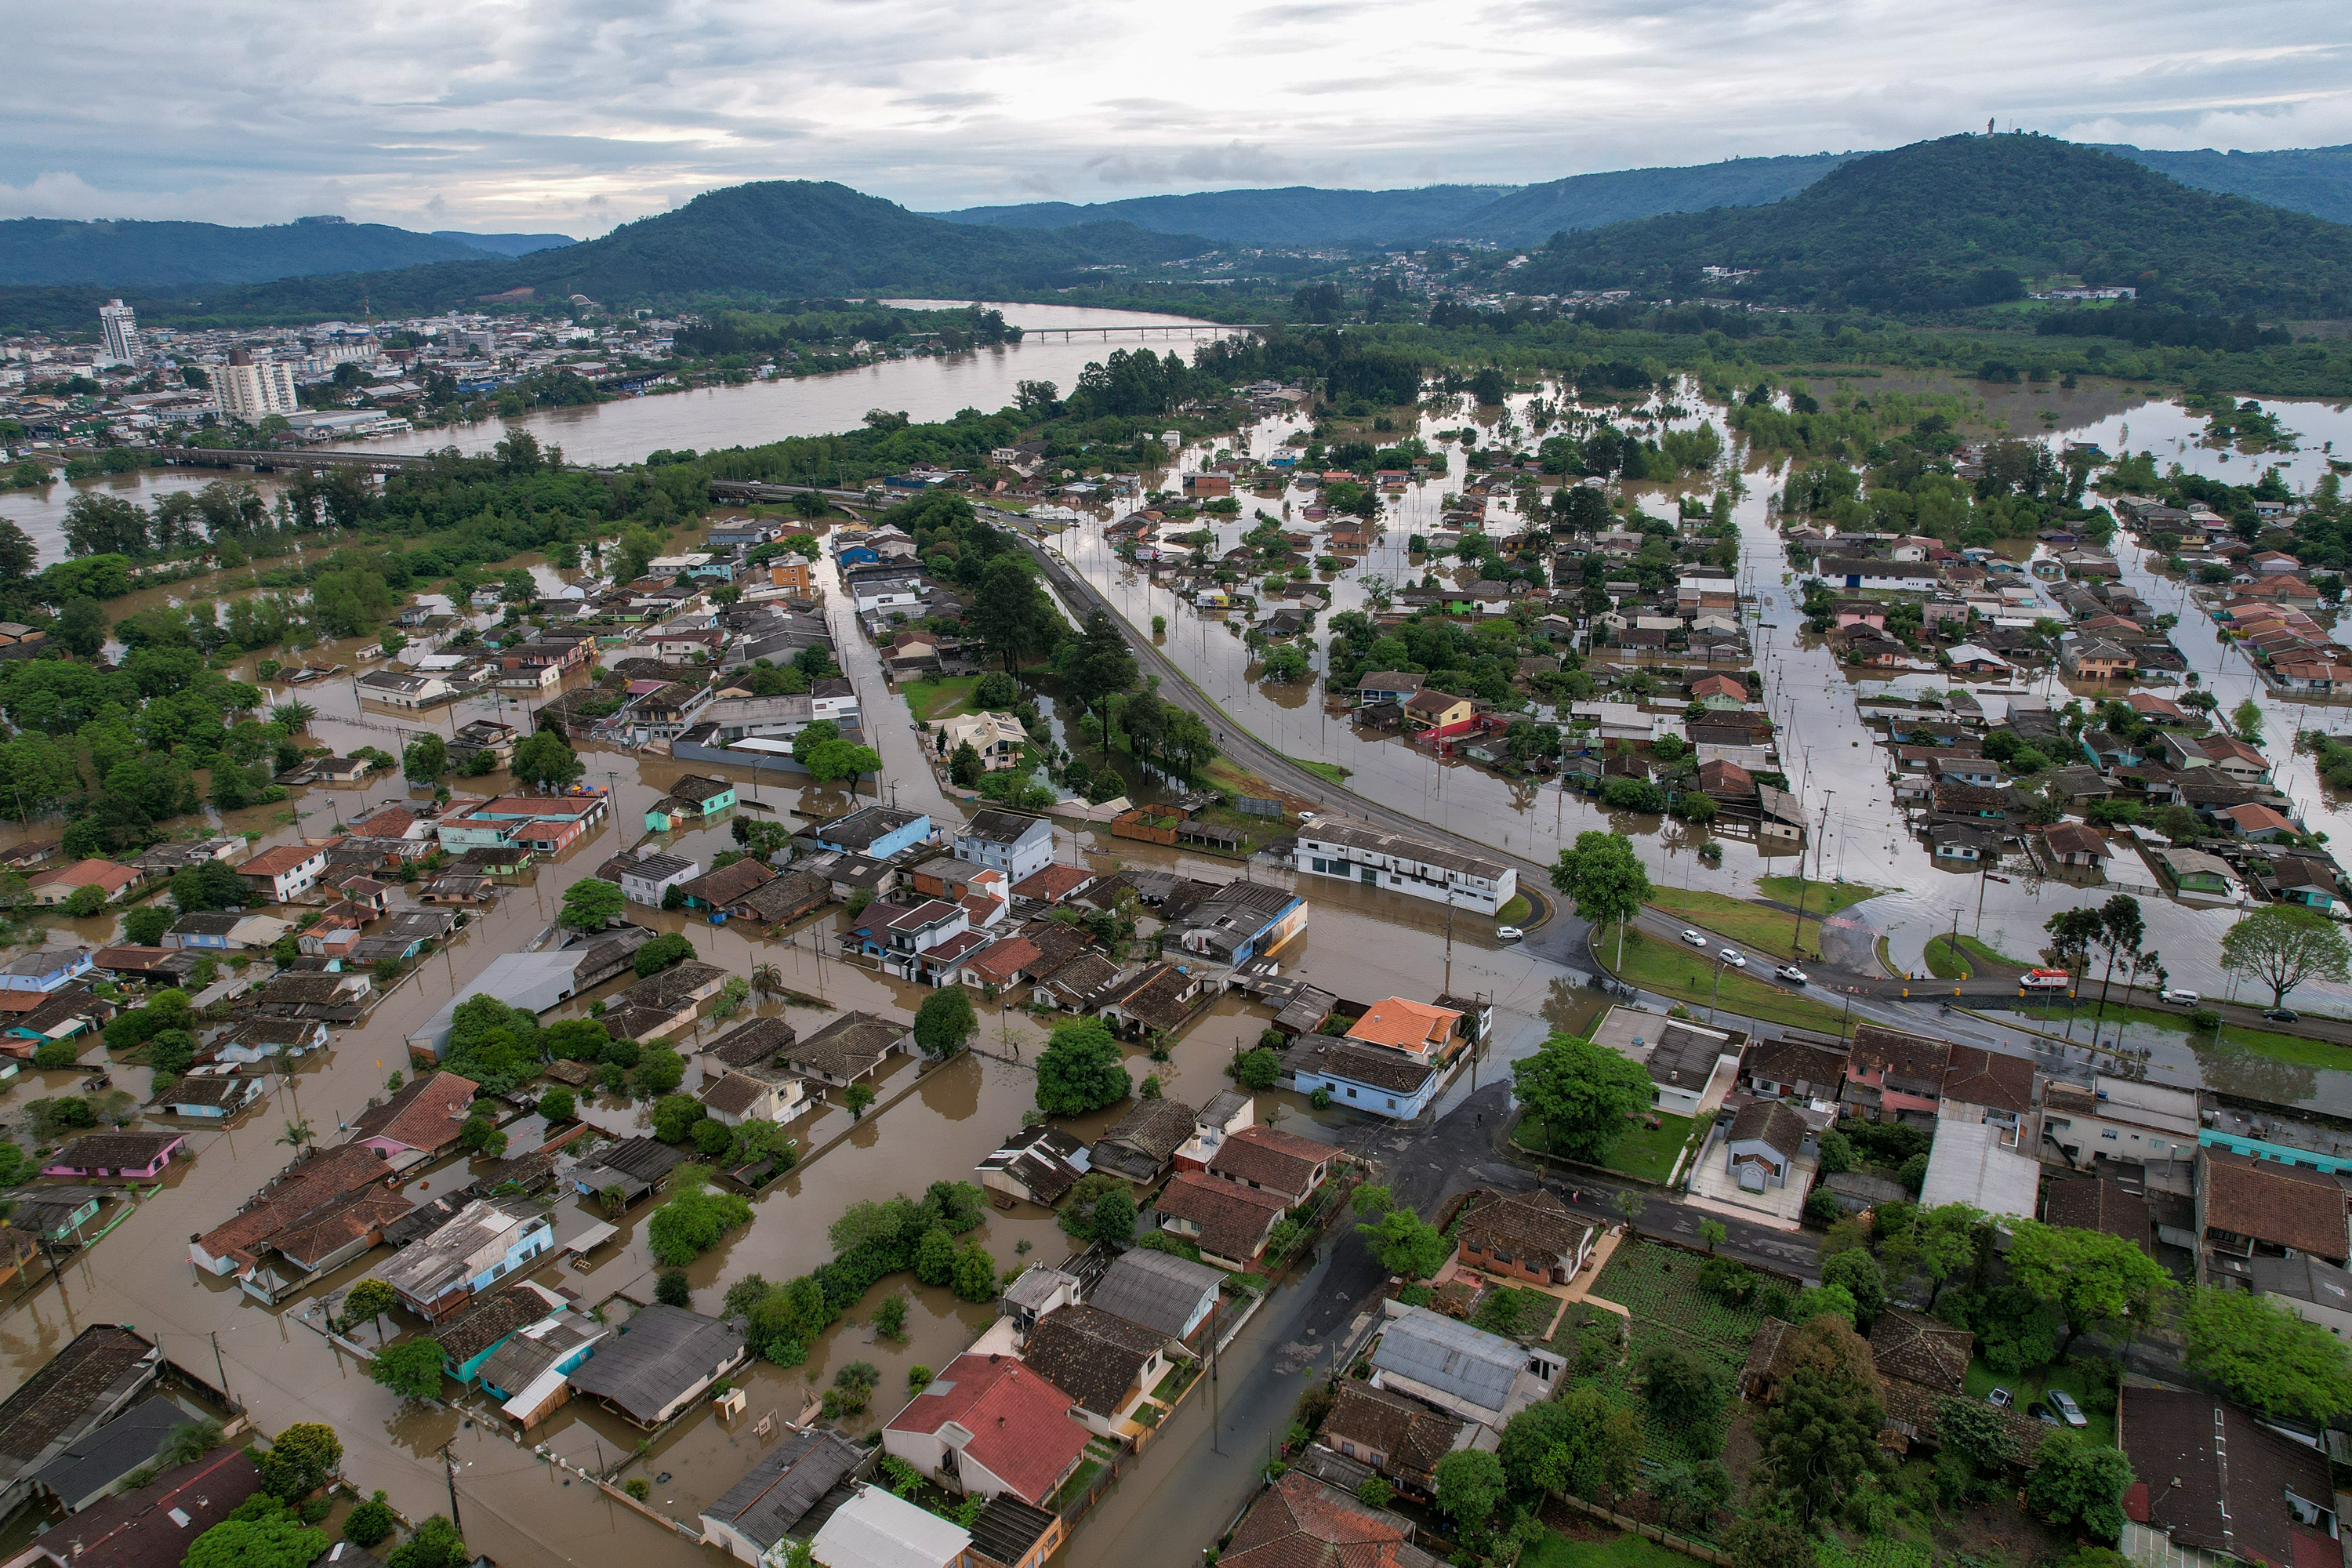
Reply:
x=964, y=767
x=275, y=1539
x=976, y=1273
x=935, y=1256
x=692, y=1223
x=1374, y=1492
x=146, y=924
x=1820, y=1437
x=1469, y=1485
x=1977, y=1432
x=411, y=1369
x=591, y=904
x=558, y=1104
x=2270, y=1359
x=2283, y=945
x=370, y=1522
x=1081, y=1069
x=435, y=1544
x=545, y=758
x=671, y=1288
x=1098, y=665
x=1579, y=1444
x=1603, y=877
x=2246, y=718
x=1581, y=1093
x=2098, y=1281
x=1950, y=1238
x=1258, y=1070
x=2080, y=1485
x=945, y=1022
x=300, y=1461
x=424, y=759
x=1680, y=1389
x=1859, y=1274
x=1758, y=1540
x=1405, y=1244
x=188, y=1444
x=1011, y=614
x=368, y=1302
x=857, y=1097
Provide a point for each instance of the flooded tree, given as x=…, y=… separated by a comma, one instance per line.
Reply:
x=2283, y=945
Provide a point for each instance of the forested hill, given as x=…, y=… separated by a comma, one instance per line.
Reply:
x=1531, y=216
x=777, y=238
x=34, y=250
x=1296, y=214
x=2315, y=180
x=1959, y=221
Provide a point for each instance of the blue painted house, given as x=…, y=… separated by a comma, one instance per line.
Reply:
x=691, y=800
x=491, y=1239
x=877, y=832
x=1238, y=922
x=1371, y=1078
x=45, y=970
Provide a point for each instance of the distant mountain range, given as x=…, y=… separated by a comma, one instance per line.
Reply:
x=1508, y=214
x=127, y=254
x=2314, y=180
x=1961, y=221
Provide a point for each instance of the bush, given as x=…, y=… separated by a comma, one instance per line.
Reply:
x=1259, y=1069
x=1821, y=1207
x=919, y=1378
x=975, y=1274
x=370, y=1522
x=671, y=1289
x=558, y=1104
x=57, y=1054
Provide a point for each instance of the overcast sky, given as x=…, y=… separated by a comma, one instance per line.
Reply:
x=574, y=115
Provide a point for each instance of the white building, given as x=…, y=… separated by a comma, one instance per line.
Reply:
x=252, y=390
x=1358, y=852
x=118, y=326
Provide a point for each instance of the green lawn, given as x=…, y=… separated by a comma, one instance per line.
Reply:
x=1753, y=925
x=1619, y=1551
x=1839, y=894
x=2098, y=1402
x=1074, y=1486
x=1639, y=1151
x=1518, y=909
x=1330, y=771
x=939, y=698
x=1958, y=958
x=1675, y=970
x=2291, y=1049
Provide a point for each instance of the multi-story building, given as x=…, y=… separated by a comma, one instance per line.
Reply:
x=252, y=390
x=118, y=326
x=1355, y=851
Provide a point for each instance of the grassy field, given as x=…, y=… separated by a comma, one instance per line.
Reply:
x=2294, y=1048
x=1330, y=771
x=1618, y=1551
x=1639, y=1151
x=1765, y=930
x=1674, y=970
x=1958, y=958
x=1838, y=894
x=941, y=698
x=2098, y=1400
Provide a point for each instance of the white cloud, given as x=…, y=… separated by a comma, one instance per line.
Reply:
x=579, y=114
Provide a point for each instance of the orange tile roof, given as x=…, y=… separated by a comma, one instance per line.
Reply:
x=1405, y=1025
x=275, y=862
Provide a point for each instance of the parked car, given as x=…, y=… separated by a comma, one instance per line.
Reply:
x=1793, y=974
x=2068, y=1411
x=1999, y=1399
x=1734, y=957
x=1695, y=938
x=2281, y=1015
x=2181, y=998
x=2043, y=1414
x=1509, y=933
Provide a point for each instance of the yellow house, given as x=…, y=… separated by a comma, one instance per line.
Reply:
x=1427, y=709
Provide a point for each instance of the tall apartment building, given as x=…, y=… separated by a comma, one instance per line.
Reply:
x=118, y=324
x=252, y=390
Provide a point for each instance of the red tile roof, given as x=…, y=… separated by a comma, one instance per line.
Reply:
x=1021, y=1429
x=1233, y=1219
x=425, y=1115
x=1272, y=1158
x=279, y=861
x=1053, y=884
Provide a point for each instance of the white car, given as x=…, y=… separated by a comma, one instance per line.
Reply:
x=1793, y=974
x=1509, y=933
x=1306, y=816
x=1734, y=957
x=1695, y=939
x=2181, y=997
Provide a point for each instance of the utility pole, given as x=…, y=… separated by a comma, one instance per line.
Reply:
x=220, y=1366
x=449, y=1471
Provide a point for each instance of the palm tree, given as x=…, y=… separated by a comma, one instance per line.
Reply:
x=767, y=980
x=295, y=716
x=298, y=1133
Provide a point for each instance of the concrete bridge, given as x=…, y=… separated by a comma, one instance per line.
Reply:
x=1071, y=335
x=270, y=460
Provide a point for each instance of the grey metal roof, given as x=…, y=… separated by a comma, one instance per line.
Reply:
x=1155, y=1290
x=1450, y=1356
x=524, y=1356
x=658, y=1355
x=778, y=1492
x=90, y=1465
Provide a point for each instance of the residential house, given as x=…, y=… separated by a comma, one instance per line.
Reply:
x=154, y=1525
x=1524, y=1236
x=2118, y=1119
x=225, y=931
x=488, y=1240
x=755, y=1044
x=1992, y=1087
x=776, y=1501
x=421, y=1119
x=876, y=832
x=1266, y=1159
x=1437, y=712
x=630, y=1169
x=395, y=688
x=1230, y=1223
x=999, y=739
x=725, y=885
x=45, y=970
x=1301, y=1520
x=128, y=1156
x=850, y=1050
x=529, y=1371
x=1105, y=1363
x=648, y=877
x=1891, y=1073
x=147, y=965
x=1359, y=852
x=2248, y=1207
x=755, y=1094
x=59, y=883
x=991, y=1425
x=876, y=1529
x=1013, y=842
x=1399, y=1437
x=468, y=1339
x=1142, y=1144
x=1764, y=1144
x=1463, y=1371
x=1427, y=1033
x=1039, y=1163
x=2072, y=844
x=214, y=1098
x=1795, y=1068
x=1236, y=922
x=1173, y=1296
x=1384, y=1082
x=692, y=799
x=663, y=1359
x=2193, y=870
x=1977, y=1163
x=2216, y=1484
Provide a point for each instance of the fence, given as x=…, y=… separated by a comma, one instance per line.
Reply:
x=1648, y=1531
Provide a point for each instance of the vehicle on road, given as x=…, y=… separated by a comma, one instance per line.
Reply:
x=2045, y=980
x=1734, y=957
x=1509, y=933
x=1305, y=816
x=1793, y=974
x=2181, y=997
x=1695, y=939
x=2068, y=1411
x=2000, y=1399
x=2281, y=1015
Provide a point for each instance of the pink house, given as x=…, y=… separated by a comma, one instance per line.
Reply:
x=1892, y=1072
x=126, y=1156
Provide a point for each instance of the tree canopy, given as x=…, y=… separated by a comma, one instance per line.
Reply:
x=2271, y=1360
x=2283, y=945
x=1580, y=1093
x=1603, y=875
x=1081, y=1069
